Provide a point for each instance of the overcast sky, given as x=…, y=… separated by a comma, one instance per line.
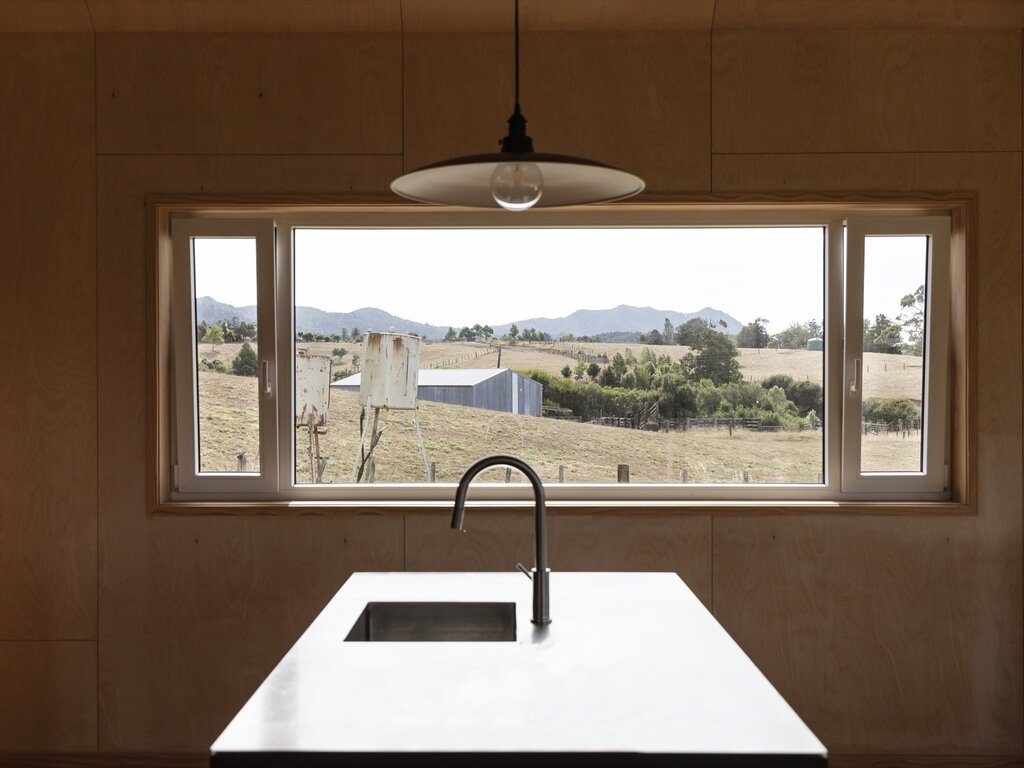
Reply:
x=464, y=276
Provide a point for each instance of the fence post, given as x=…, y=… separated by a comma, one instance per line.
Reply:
x=684, y=476
x=561, y=473
x=508, y=474
x=746, y=475
x=623, y=474
x=371, y=469
x=241, y=461
x=433, y=471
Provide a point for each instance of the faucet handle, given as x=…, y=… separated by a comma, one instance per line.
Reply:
x=525, y=570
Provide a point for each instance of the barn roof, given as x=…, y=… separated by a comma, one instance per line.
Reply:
x=439, y=377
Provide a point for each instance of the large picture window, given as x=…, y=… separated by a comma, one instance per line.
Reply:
x=628, y=355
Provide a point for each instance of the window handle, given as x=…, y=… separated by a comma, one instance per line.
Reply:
x=265, y=377
x=855, y=382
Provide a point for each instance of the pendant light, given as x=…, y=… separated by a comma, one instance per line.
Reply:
x=517, y=178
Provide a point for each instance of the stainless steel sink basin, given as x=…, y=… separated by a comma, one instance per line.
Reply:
x=435, y=622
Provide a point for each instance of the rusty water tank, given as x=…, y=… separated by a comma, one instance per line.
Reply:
x=390, y=372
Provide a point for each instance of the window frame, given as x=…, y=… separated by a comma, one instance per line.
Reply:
x=187, y=480
x=933, y=479
x=830, y=215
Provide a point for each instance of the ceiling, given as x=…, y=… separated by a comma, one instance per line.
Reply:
x=426, y=16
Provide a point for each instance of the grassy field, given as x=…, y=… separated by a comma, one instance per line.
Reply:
x=886, y=376
x=457, y=436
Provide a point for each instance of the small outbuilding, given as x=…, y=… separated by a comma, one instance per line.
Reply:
x=495, y=389
x=815, y=345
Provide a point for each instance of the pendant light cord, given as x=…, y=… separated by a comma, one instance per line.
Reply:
x=517, y=54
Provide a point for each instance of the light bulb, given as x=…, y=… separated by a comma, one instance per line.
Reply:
x=517, y=186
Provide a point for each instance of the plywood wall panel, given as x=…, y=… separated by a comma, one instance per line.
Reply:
x=458, y=92
x=636, y=100
x=996, y=266
x=866, y=91
x=496, y=542
x=47, y=696
x=869, y=630
x=487, y=542
x=49, y=16
x=48, y=338
x=194, y=611
x=965, y=592
x=867, y=14
x=210, y=608
x=680, y=544
x=278, y=16
x=228, y=94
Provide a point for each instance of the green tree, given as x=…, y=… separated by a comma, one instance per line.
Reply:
x=753, y=335
x=451, y=335
x=712, y=357
x=796, y=335
x=245, y=363
x=608, y=377
x=513, y=332
x=593, y=369
x=884, y=335
x=357, y=335
x=668, y=332
x=487, y=331
x=581, y=369
x=912, y=319
x=808, y=397
x=896, y=413
x=339, y=352
x=652, y=337
x=214, y=334
x=618, y=364
x=783, y=380
x=566, y=371
x=690, y=331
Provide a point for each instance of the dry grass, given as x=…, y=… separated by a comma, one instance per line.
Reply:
x=456, y=436
x=228, y=421
x=886, y=376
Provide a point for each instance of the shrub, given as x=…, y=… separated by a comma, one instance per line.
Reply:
x=245, y=363
x=895, y=413
x=215, y=366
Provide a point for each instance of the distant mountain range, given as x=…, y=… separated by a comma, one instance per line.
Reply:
x=622, y=321
x=623, y=318
x=317, y=321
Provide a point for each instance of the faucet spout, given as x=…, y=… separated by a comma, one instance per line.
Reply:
x=541, y=572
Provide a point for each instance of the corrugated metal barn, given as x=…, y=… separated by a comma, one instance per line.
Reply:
x=496, y=389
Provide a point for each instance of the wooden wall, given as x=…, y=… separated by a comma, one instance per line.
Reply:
x=125, y=632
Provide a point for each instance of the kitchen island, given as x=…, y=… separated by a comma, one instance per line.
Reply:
x=633, y=670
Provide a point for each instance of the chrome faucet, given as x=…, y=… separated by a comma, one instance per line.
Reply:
x=540, y=572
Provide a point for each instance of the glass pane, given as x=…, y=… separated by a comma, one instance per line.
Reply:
x=676, y=355
x=895, y=274
x=227, y=396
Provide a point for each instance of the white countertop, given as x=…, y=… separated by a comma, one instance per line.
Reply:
x=631, y=663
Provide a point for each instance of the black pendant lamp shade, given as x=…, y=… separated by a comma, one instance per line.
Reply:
x=517, y=178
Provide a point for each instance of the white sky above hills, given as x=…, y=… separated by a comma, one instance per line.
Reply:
x=462, y=276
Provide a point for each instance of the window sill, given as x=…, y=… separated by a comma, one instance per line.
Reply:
x=569, y=508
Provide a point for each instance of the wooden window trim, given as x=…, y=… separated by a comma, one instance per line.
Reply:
x=962, y=368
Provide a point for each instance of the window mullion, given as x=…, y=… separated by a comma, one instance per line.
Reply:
x=834, y=351
x=284, y=320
